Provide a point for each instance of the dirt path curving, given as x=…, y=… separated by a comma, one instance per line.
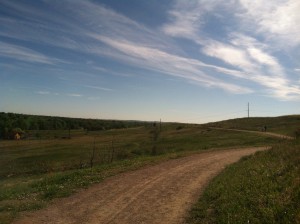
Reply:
x=159, y=194
x=258, y=132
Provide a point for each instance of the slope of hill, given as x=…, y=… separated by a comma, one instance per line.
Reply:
x=286, y=125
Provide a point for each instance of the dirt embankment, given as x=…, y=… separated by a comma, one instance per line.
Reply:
x=162, y=193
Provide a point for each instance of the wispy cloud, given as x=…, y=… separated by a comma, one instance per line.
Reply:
x=248, y=57
x=187, y=17
x=257, y=66
x=185, y=20
x=74, y=95
x=25, y=54
x=98, y=88
x=94, y=98
x=101, y=69
x=242, y=54
x=43, y=92
x=277, y=20
x=230, y=54
x=71, y=28
x=174, y=65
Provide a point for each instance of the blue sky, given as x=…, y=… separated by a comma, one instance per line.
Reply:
x=188, y=61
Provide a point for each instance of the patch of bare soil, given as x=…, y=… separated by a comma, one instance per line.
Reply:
x=163, y=193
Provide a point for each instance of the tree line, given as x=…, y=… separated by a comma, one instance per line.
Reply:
x=11, y=123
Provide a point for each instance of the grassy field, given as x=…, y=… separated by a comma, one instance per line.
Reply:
x=263, y=188
x=282, y=125
x=33, y=172
x=31, y=157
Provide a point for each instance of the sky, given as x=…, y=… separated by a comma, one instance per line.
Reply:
x=190, y=61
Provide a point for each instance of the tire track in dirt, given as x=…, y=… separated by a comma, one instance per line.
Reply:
x=163, y=193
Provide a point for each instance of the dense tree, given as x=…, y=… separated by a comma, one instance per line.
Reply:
x=11, y=121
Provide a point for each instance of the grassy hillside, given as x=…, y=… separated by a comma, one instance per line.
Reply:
x=263, y=188
x=282, y=125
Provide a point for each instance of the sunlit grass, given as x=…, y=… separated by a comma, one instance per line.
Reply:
x=263, y=188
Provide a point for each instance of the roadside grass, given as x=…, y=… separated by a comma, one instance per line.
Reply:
x=34, y=192
x=262, y=188
x=33, y=172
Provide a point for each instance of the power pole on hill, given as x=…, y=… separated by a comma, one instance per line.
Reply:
x=248, y=109
x=160, y=125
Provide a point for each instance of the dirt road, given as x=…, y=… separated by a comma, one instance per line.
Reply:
x=159, y=194
x=258, y=132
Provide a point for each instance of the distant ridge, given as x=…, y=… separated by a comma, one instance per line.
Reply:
x=287, y=124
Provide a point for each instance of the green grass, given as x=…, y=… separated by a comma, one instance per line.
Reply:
x=33, y=172
x=32, y=157
x=263, y=188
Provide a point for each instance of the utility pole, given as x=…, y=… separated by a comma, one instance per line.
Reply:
x=160, y=125
x=248, y=109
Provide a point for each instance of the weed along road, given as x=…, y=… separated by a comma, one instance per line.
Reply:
x=163, y=193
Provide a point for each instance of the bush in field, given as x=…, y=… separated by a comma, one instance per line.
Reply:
x=11, y=134
x=297, y=133
x=155, y=135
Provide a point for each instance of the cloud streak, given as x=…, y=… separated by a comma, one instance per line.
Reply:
x=25, y=54
x=236, y=62
x=251, y=58
x=163, y=62
x=43, y=92
x=74, y=95
x=98, y=88
x=276, y=20
x=257, y=66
